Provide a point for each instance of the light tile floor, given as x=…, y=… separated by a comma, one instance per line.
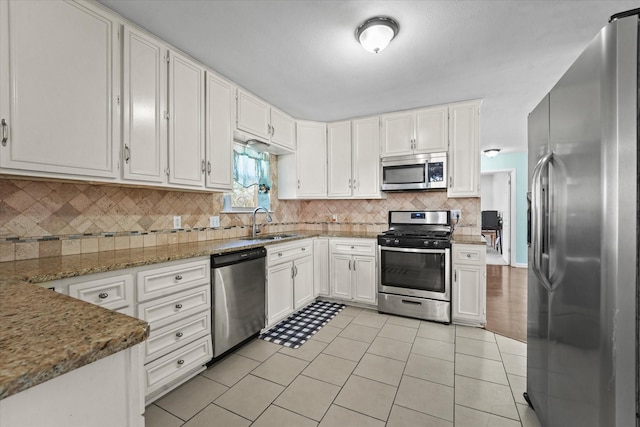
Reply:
x=362, y=369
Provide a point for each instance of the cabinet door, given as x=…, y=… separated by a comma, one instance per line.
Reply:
x=302, y=282
x=279, y=292
x=311, y=159
x=283, y=129
x=341, y=276
x=464, y=150
x=59, y=87
x=366, y=161
x=219, y=138
x=397, y=134
x=432, y=130
x=144, y=102
x=253, y=115
x=339, y=159
x=186, y=121
x=469, y=294
x=364, y=278
x=321, y=266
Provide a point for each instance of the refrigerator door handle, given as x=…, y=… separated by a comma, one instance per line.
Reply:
x=536, y=221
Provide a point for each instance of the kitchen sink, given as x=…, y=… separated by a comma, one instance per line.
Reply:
x=276, y=237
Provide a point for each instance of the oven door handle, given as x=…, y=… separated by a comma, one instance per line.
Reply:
x=415, y=250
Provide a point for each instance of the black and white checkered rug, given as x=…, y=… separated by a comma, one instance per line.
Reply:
x=296, y=329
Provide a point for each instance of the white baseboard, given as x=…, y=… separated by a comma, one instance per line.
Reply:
x=520, y=265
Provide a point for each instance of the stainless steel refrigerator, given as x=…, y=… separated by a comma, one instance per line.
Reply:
x=582, y=327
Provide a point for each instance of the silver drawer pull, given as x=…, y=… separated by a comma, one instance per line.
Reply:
x=304, y=249
x=178, y=306
x=279, y=253
x=181, y=362
x=353, y=247
x=178, y=277
x=468, y=255
x=103, y=295
x=179, y=334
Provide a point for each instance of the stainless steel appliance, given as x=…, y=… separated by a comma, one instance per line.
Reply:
x=582, y=327
x=414, y=172
x=238, y=292
x=415, y=265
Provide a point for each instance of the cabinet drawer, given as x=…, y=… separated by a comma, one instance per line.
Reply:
x=165, y=340
x=180, y=362
x=112, y=292
x=353, y=247
x=280, y=253
x=172, y=308
x=163, y=281
x=469, y=254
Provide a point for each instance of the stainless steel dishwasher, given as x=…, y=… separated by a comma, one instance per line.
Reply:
x=238, y=292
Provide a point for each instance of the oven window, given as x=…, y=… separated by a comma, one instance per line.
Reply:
x=425, y=272
x=436, y=172
x=403, y=174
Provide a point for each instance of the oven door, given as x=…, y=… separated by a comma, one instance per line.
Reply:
x=424, y=273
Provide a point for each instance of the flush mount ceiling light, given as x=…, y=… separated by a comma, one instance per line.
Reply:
x=492, y=152
x=376, y=33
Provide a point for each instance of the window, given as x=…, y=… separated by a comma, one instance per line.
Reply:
x=251, y=180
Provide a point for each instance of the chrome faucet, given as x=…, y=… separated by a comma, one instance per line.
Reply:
x=255, y=227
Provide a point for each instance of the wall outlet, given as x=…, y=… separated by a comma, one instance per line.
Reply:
x=214, y=221
x=456, y=214
x=334, y=218
x=177, y=222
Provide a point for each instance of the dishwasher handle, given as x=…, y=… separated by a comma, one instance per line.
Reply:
x=231, y=258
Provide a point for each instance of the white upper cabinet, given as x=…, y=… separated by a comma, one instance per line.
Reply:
x=186, y=121
x=366, y=163
x=415, y=132
x=253, y=115
x=266, y=122
x=354, y=165
x=219, y=145
x=311, y=159
x=303, y=175
x=283, y=129
x=144, y=92
x=464, y=150
x=59, y=88
x=339, y=159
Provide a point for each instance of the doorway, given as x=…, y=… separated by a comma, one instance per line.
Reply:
x=496, y=194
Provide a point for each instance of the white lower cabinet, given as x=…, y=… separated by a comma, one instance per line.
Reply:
x=175, y=299
x=469, y=285
x=290, y=278
x=321, y=266
x=353, y=273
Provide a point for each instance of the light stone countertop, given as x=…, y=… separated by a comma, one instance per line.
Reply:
x=44, y=334
x=468, y=239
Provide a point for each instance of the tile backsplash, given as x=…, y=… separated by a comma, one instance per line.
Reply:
x=48, y=218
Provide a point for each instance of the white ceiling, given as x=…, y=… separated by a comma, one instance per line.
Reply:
x=302, y=55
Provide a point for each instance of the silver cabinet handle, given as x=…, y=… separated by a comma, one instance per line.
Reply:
x=468, y=255
x=179, y=334
x=295, y=271
x=269, y=129
x=5, y=132
x=349, y=265
x=273, y=130
x=303, y=249
x=103, y=295
x=178, y=306
x=127, y=153
x=203, y=167
x=181, y=362
x=279, y=253
x=209, y=168
x=353, y=247
x=178, y=277
x=354, y=265
x=293, y=274
x=298, y=184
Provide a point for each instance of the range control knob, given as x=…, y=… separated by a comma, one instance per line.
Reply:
x=396, y=242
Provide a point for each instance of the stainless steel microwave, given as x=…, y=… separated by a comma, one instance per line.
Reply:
x=414, y=172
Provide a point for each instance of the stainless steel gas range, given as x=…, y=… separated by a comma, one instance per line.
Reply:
x=415, y=265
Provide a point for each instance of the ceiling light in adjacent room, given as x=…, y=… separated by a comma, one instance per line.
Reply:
x=492, y=152
x=376, y=33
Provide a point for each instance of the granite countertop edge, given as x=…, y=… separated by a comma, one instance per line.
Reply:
x=65, y=333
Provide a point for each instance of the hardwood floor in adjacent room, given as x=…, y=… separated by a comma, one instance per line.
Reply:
x=507, y=301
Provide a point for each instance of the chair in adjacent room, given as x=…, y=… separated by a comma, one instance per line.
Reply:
x=492, y=223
